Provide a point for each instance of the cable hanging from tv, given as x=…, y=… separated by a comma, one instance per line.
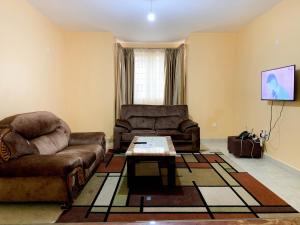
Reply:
x=271, y=127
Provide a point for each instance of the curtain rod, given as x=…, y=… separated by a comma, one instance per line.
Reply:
x=156, y=48
x=151, y=45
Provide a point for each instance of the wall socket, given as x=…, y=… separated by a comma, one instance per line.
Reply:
x=263, y=134
x=214, y=124
x=263, y=137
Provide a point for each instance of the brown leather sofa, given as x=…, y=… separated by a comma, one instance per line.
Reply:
x=42, y=161
x=157, y=120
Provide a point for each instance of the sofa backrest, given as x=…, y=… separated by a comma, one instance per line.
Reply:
x=42, y=129
x=32, y=125
x=158, y=117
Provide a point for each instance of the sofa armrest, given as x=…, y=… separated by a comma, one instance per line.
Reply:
x=87, y=138
x=195, y=132
x=118, y=136
x=186, y=124
x=123, y=123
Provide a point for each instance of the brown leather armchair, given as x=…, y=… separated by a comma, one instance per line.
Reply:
x=157, y=120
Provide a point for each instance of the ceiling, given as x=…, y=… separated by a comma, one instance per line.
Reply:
x=175, y=19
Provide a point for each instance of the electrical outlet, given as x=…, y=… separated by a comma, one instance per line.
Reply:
x=214, y=125
x=263, y=137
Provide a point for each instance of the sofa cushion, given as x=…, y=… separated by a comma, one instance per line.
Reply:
x=87, y=153
x=32, y=125
x=98, y=150
x=87, y=138
x=40, y=165
x=167, y=122
x=175, y=134
x=53, y=142
x=130, y=135
x=13, y=145
x=141, y=122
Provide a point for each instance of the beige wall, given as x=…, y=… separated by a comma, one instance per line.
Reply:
x=90, y=81
x=45, y=68
x=31, y=60
x=90, y=78
x=71, y=74
x=270, y=41
x=211, y=67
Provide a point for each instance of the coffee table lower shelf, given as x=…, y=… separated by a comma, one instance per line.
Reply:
x=168, y=160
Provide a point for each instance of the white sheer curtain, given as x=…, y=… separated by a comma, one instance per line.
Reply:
x=149, y=76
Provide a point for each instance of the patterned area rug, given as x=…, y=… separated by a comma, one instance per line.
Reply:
x=207, y=187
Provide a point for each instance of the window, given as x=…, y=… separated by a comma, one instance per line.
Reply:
x=149, y=77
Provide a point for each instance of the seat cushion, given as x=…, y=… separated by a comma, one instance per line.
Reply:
x=96, y=149
x=40, y=165
x=129, y=136
x=87, y=153
x=87, y=138
x=175, y=134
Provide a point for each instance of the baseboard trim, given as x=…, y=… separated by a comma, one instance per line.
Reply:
x=213, y=139
x=282, y=164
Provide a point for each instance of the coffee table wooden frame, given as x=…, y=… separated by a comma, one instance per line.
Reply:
x=168, y=158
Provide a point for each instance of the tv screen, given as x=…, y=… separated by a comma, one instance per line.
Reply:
x=278, y=84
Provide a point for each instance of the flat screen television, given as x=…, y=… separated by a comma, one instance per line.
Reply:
x=278, y=84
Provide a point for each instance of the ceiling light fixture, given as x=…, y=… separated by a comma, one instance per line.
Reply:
x=151, y=16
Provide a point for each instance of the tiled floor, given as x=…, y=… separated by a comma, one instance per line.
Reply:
x=29, y=213
x=282, y=180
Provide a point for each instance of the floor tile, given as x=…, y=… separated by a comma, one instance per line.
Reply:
x=29, y=213
x=279, y=178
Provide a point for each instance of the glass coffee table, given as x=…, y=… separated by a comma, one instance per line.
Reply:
x=160, y=149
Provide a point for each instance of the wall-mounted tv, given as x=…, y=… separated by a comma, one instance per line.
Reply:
x=278, y=84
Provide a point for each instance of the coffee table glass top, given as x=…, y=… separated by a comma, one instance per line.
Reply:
x=152, y=146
